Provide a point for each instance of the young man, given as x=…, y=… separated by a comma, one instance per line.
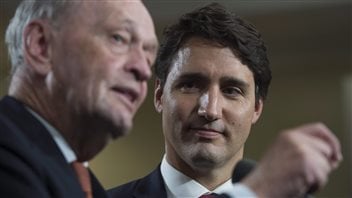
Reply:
x=80, y=71
x=212, y=78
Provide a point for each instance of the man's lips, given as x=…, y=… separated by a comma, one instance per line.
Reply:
x=131, y=95
x=207, y=133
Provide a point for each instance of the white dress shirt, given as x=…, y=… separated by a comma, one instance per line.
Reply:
x=179, y=185
x=65, y=149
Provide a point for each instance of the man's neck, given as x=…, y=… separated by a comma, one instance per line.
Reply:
x=78, y=131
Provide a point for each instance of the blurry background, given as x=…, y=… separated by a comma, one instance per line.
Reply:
x=310, y=48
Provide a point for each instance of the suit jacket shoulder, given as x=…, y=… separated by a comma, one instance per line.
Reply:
x=149, y=186
x=31, y=164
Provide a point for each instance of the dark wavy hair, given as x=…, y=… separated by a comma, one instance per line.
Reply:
x=214, y=23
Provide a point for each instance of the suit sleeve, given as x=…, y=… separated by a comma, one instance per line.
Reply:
x=17, y=178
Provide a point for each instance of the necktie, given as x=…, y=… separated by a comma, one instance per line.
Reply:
x=83, y=178
x=211, y=195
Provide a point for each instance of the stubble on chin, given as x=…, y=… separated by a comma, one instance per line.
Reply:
x=201, y=157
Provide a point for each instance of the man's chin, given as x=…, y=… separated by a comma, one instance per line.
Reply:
x=205, y=157
x=120, y=131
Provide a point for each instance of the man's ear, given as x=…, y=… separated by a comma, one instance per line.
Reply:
x=158, y=94
x=258, y=110
x=36, y=44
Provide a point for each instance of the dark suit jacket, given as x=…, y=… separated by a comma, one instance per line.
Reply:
x=150, y=186
x=31, y=164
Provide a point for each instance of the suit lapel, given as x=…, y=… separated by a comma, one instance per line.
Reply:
x=44, y=151
x=98, y=190
x=151, y=185
x=32, y=128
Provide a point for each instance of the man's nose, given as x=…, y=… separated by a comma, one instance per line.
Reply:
x=138, y=64
x=210, y=105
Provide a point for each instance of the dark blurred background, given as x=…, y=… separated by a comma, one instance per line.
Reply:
x=310, y=49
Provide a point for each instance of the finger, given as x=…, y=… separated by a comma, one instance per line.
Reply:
x=320, y=147
x=320, y=131
x=318, y=170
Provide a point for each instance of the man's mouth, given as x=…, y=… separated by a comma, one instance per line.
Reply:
x=207, y=133
x=128, y=94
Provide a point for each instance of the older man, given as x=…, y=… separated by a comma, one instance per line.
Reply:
x=80, y=71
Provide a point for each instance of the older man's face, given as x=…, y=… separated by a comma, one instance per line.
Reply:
x=102, y=58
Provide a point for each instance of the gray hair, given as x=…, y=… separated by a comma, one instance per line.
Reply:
x=27, y=11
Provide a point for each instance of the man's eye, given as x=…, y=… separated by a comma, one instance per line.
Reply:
x=121, y=42
x=188, y=87
x=118, y=38
x=232, y=91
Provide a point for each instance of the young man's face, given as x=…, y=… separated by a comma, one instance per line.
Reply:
x=102, y=59
x=208, y=107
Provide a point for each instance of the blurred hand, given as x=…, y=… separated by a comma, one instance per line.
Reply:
x=298, y=163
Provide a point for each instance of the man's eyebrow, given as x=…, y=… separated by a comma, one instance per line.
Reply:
x=193, y=76
x=234, y=81
x=224, y=80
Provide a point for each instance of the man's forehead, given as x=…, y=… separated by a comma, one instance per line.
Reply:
x=189, y=62
x=132, y=14
x=116, y=7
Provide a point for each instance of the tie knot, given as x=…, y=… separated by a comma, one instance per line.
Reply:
x=79, y=168
x=83, y=178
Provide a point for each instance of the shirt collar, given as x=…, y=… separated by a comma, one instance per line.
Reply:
x=179, y=185
x=65, y=149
